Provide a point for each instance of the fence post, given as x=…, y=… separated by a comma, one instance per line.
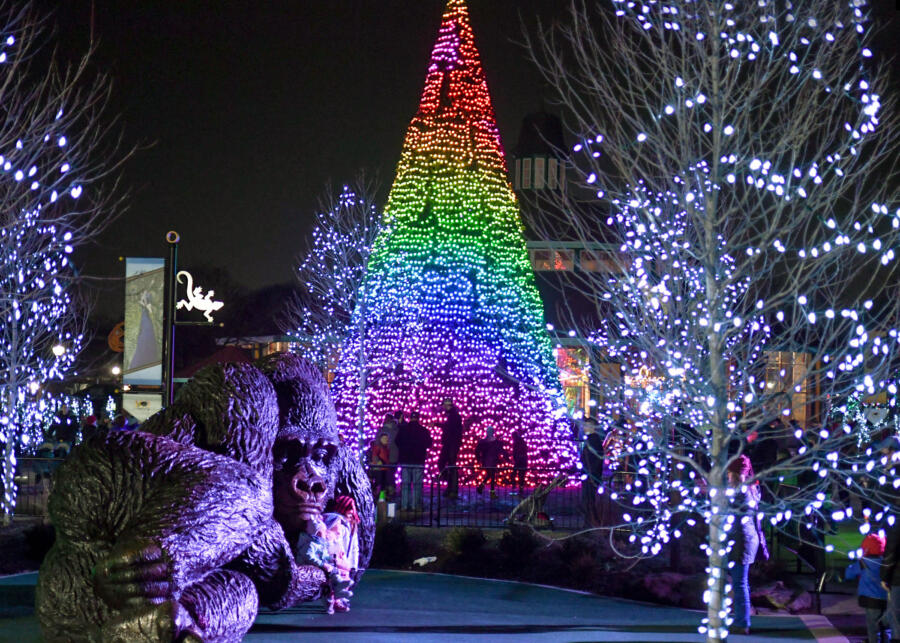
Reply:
x=439, y=495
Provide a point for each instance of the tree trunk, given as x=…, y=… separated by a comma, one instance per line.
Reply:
x=716, y=612
x=8, y=466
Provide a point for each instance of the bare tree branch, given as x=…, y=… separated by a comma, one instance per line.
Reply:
x=740, y=164
x=59, y=165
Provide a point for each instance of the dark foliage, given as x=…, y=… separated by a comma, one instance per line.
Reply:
x=517, y=548
x=391, y=546
x=467, y=552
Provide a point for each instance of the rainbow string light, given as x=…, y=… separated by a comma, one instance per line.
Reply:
x=450, y=307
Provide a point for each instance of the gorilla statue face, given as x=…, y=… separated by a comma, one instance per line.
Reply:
x=306, y=447
x=301, y=479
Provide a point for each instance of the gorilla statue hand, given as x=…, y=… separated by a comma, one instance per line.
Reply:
x=134, y=573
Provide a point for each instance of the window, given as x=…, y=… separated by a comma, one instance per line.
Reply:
x=594, y=261
x=552, y=174
x=526, y=173
x=787, y=374
x=574, y=376
x=551, y=260
x=602, y=261
x=539, y=176
x=517, y=176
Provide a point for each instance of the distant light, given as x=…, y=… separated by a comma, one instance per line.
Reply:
x=116, y=370
x=59, y=350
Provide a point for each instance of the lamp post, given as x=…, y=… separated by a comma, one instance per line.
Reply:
x=168, y=356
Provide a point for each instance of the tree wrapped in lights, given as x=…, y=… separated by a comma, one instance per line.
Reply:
x=746, y=170
x=51, y=140
x=331, y=273
x=450, y=306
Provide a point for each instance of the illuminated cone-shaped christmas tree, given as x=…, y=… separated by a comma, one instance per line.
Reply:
x=450, y=307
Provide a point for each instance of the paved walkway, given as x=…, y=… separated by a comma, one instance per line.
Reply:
x=417, y=608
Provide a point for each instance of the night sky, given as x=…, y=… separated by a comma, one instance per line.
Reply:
x=246, y=110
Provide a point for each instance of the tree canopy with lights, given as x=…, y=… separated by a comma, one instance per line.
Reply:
x=745, y=162
x=451, y=308
x=331, y=273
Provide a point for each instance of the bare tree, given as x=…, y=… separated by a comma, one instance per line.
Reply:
x=737, y=171
x=56, y=153
x=332, y=269
x=332, y=272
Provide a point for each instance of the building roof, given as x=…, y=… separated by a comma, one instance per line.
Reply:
x=541, y=135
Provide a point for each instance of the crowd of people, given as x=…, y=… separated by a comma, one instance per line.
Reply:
x=404, y=444
x=67, y=430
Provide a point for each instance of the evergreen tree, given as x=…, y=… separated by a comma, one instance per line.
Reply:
x=450, y=306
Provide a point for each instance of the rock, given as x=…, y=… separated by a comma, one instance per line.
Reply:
x=803, y=602
x=775, y=595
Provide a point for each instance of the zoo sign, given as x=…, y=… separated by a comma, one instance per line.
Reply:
x=196, y=300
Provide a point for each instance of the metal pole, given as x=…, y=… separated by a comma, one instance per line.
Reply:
x=168, y=357
x=363, y=368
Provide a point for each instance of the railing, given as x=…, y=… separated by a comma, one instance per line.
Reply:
x=492, y=497
x=34, y=481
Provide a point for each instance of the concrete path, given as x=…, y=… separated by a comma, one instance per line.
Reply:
x=404, y=607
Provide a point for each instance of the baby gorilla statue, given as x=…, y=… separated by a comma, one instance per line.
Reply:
x=171, y=533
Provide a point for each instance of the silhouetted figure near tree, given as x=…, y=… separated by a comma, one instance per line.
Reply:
x=451, y=440
x=488, y=453
x=390, y=427
x=810, y=529
x=89, y=428
x=65, y=428
x=890, y=580
x=520, y=459
x=413, y=442
x=592, y=466
x=379, y=465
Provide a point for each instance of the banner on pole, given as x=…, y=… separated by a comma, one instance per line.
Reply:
x=144, y=287
x=142, y=405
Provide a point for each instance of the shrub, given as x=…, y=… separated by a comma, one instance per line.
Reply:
x=517, y=548
x=465, y=541
x=467, y=553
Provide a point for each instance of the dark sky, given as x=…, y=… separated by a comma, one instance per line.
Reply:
x=250, y=108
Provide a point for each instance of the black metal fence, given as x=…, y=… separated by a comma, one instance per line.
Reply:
x=492, y=497
x=34, y=480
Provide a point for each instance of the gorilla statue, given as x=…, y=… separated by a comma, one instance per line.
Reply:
x=181, y=530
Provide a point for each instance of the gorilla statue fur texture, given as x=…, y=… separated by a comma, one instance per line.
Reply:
x=181, y=530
